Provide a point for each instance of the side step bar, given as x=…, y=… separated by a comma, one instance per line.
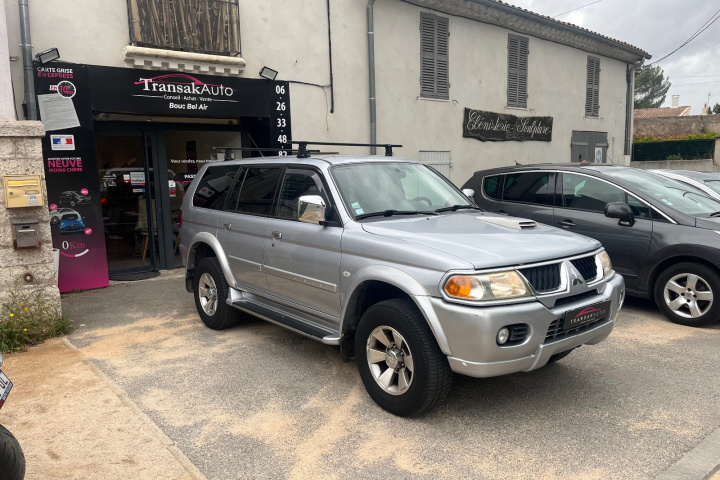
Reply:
x=287, y=320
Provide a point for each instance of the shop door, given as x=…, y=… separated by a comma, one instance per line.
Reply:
x=129, y=192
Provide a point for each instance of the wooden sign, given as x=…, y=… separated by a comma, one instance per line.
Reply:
x=498, y=127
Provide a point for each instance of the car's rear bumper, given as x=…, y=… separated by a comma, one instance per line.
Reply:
x=471, y=332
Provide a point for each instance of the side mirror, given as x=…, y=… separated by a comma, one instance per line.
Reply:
x=469, y=192
x=622, y=211
x=311, y=209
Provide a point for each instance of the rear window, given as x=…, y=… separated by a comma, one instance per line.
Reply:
x=214, y=186
x=529, y=187
x=493, y=187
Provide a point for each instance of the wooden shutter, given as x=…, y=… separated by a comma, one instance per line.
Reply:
x=592, y=95
x=517, y=71
x=434, y=75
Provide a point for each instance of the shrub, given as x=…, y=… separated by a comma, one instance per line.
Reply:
x=28, y=318
x=675, y=156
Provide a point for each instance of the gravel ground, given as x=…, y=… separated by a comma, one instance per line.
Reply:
x=258, y=401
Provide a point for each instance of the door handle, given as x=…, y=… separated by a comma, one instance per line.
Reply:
x=567, y=223
x=277, y=235
x=227, y=226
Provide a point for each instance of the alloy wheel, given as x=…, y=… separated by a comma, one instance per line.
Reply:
x=390, y=360
x=207, y=292
x=688, y=295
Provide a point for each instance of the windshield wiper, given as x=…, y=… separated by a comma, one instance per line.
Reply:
x=390, y=213
x=455, y=208
x=714, y=214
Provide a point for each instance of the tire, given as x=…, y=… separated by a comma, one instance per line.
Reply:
x=689, y=294
x=559, y=356
x=72, y=203
x=12, y=458
x=210, y=302
x=54, y=220
x=424, y=384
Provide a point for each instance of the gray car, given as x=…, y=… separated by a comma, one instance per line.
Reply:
x=662, y=235
x=385, y=258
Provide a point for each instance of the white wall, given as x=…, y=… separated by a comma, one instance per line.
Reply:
x=291, y=37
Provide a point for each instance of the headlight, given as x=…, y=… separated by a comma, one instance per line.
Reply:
x=489, y=286
x=605, y=262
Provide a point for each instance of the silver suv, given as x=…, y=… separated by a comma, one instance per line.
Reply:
x=389, y=260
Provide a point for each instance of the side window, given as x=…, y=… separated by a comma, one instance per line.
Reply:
x=493, y=186
x=214, y=187
x=257, y=191
x=587, y=193
x=296, y=184
x=639, y=209
x=530, y=187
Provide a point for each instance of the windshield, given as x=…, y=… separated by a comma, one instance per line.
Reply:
x=70, y=216
x=669, y=192
x=405, y=187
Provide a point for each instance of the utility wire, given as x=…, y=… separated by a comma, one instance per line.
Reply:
x=704, y=27
x=702, y=83
x=693, y=76
x=578, y=8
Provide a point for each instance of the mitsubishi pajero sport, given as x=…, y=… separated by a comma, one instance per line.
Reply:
x=387, y=259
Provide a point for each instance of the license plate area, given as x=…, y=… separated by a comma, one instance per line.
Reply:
x=5, y=387
x=588, y=314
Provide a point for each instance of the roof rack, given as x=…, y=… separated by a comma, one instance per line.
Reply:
x=228, y=150
x=303, y=152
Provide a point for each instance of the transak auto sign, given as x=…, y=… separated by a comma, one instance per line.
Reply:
x=494, y=127
x=184, y=92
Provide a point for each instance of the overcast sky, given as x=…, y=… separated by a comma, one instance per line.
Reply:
x=658, y=27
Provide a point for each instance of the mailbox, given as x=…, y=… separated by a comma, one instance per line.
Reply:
x=26, y=232
x=23, y=191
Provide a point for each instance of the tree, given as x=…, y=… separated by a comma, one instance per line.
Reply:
x=716, y=108
x=651, y=87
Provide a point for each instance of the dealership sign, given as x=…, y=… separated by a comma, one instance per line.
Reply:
x=498, y=127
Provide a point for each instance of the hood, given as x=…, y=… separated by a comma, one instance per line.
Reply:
x=500, y=241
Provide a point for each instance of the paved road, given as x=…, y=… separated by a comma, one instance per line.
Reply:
x=257, y=401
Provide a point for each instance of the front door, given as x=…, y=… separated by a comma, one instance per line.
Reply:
x=129, y=194
x=581, y=210
x=589, y=147
x=302, y=260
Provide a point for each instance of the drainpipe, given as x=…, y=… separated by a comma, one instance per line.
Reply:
x=371, y=70
x=30, y=100
x=629, y=102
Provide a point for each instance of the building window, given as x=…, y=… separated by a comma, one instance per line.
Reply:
x=517, y=71
x=592, y=98
x=434, y=36
x=201, y=26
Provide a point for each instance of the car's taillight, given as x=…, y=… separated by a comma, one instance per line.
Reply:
x=103, y=200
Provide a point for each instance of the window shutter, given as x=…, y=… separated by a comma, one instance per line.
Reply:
x=592, y=95
x=442, y=85
x=434, y=74
x=517, y=71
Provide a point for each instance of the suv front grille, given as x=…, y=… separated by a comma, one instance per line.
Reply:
x=555, y=331
x=544, y=278
x=587, y=267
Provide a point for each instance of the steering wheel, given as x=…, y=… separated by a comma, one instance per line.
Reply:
x=424, y=199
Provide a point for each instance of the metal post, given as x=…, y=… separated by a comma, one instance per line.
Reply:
x=26, y=45
x=371, y=71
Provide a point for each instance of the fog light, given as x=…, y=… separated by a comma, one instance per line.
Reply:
x=503, y=336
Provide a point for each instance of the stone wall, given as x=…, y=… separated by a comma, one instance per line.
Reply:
x=677, y=125
x=21, y=153
x=694, y=165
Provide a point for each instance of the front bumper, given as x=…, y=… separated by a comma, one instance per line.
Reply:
x=471, y=332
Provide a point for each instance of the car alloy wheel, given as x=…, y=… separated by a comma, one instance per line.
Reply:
x=688, y=295
x=390, y=360
x=207, y=292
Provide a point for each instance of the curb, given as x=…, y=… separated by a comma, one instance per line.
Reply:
x=700, y=463
x=170, y=445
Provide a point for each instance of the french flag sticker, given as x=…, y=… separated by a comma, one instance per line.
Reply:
x=62, y=142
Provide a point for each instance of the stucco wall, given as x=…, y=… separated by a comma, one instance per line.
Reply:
x=291, y=37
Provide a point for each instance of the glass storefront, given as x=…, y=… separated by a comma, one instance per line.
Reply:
x=140, y=203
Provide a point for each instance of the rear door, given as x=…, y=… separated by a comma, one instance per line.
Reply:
x=581, y=209
x=241, y=228
x=302, y=260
